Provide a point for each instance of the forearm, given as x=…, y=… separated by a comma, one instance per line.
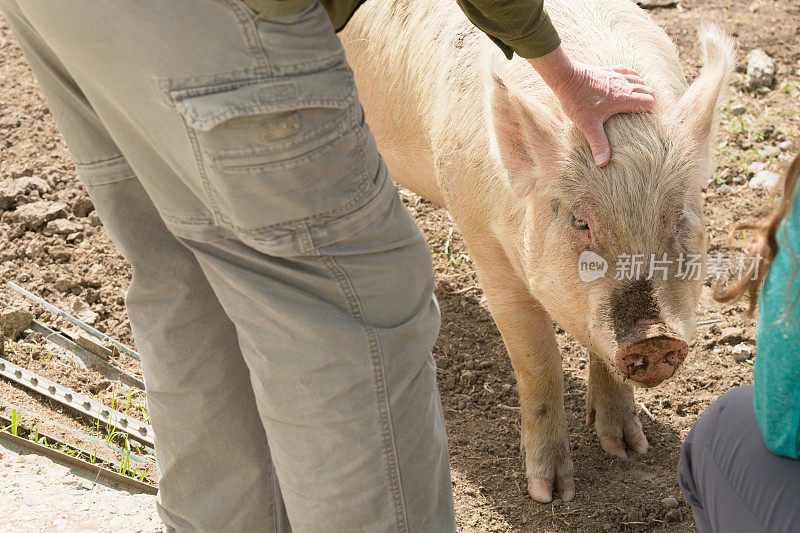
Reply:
x=555, y=68
x=516, y=26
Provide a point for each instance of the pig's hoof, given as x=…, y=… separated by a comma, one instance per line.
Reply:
x=633, y=436
x=541, y=489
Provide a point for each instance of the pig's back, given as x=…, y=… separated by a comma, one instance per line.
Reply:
x=418, y=66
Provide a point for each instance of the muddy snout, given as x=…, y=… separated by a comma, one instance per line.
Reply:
x=652, y=355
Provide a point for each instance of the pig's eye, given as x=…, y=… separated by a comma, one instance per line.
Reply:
x=579, y=224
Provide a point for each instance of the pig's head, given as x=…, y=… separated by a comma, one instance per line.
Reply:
x=614, y=254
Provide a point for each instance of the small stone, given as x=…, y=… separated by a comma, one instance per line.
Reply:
x=469, y=377
x=9, y=196
x=83, y=312
x=61, y=226
x=669, y=503
x=724, y=189
x=738, y=109
x=756, y=166
x=765, y=179
x=741, y=352
x=59, y=253
x=64, y=284
x=94, y=220
x=506, y=386
x=647, y=4
x=738, y=180
x=755, y=6
x=769, y=151
x=760, y=70
x=785, y=160
x=37, y=214
x=82, y=206
x=731, y=335
x=14, y=321
x=785, y=146
x=673, y=516
x=30, y=184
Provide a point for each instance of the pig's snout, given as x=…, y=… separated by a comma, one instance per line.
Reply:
x=652, y=356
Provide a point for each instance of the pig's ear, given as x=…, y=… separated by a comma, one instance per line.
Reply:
x=695, y=114
x=524, y=134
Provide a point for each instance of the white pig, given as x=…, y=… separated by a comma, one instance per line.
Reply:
x=486, y=138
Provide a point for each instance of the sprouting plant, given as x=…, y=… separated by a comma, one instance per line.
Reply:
x=14, y=423
x=125, y=464
x=110, y=434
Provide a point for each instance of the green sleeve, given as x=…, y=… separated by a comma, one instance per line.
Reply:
x=776, y=374
x=520, y=26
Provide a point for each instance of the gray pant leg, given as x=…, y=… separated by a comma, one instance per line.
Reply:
x=247, y=135
x=215, y=472
x=729, y=476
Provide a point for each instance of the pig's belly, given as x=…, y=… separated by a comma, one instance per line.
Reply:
x=414, y=171
x=408, y=158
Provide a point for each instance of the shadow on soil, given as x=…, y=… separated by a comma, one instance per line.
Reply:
x=478, y=390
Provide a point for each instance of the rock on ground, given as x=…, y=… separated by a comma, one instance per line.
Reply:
x=37, y=214
x=760, y=69
x=14, y=321
x=765, y=179
x=61, y=226
x=656, y=3
x=37, y=494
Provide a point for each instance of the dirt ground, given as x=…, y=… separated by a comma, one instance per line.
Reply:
x=81, y=271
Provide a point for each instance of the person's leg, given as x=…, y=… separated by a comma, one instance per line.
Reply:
x=212, y=453
x=729, y=476
x=299, y=230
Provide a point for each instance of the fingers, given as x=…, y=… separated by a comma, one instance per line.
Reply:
x=641, y=89
x=622, y=69
x=634, y=78
x=598, y=142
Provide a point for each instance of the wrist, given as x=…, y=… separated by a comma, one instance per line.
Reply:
x=555, y=68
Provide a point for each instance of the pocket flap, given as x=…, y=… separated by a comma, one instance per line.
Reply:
x=203, y=108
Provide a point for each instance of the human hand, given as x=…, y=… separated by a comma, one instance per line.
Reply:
x=590, y=95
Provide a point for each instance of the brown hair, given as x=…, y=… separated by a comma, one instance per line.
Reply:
x=765, y=245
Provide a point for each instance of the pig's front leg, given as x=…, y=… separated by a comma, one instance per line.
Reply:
x=612, y=410
x=528, y=335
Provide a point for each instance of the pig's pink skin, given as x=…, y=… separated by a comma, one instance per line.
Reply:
x=486, y=138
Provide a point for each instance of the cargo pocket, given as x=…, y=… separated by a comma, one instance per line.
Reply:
x=278, y=153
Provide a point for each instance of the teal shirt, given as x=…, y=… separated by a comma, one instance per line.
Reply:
x=777, y=367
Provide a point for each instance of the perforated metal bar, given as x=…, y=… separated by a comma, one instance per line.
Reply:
x=136, y=429
x=85, y=327
x=90, y=359
x=80, y=468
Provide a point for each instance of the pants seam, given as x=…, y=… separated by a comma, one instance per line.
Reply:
x=724, y=477
x=101, y=162
x=390, y=452
x=201, y=168
x=251, y=34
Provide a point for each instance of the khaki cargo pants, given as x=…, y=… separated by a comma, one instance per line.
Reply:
x=281, y=295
